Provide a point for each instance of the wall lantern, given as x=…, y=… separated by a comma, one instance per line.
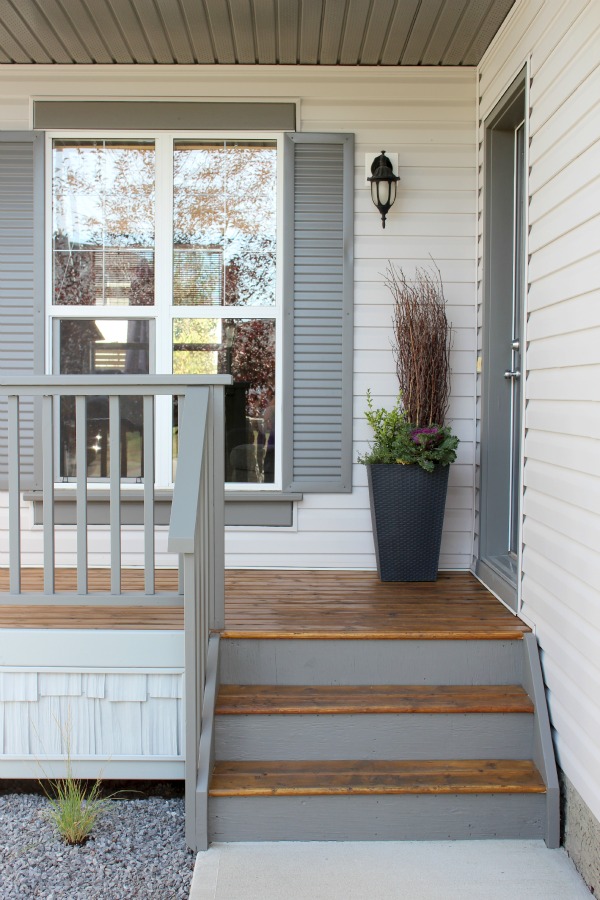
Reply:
x=383, y=184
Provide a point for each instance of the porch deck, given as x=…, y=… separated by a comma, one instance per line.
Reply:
x=284, y=604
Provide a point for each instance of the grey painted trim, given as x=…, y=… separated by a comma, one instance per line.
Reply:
x=383, y=818
x=94, y=600
x=274, y=514
x=15, y=137
x=189, y=469
x=216, y=487
x=375, y=736
x=543, y=748
x=496, y=583
x=193, y=690
x=498, y=256
x=153, y=768
x=268, y=513
x=206, y=755
x=340, y=482
x=309, y=662
x=169, y=115
x=240, y=496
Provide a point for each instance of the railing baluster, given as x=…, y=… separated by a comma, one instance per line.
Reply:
x=48, y=491
x=114, y=424
x=81, y=494
x=14, y=496
x=149, y=494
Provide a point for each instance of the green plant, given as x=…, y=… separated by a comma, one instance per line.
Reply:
x=75, y=808
x=396, y=440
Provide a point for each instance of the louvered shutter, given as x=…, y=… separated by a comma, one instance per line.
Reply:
x=318, y=312
x=21, y=280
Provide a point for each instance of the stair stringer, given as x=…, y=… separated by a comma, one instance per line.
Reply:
x=206, y=749
x=543, y=747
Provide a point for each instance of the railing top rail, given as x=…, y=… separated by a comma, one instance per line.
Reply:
x=93, y=385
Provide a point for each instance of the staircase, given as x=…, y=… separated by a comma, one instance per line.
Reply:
x=355, y=738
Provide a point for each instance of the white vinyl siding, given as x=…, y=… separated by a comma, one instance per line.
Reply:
x=561, y=528
x=427, y=116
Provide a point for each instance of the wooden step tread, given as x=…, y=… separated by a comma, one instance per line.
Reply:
x=236, y=699
x=342, y=777
x=486, y=631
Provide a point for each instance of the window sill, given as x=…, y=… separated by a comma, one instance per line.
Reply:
x=242, y=508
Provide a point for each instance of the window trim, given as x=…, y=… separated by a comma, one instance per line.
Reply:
x=163, y=312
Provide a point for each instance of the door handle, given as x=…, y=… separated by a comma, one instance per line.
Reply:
x=512, y=373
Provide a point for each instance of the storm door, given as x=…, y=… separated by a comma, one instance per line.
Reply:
x=503, y=351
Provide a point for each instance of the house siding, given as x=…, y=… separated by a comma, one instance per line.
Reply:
x=428, y=116
x=561, y=524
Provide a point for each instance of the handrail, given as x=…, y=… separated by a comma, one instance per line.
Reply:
x=197, y=533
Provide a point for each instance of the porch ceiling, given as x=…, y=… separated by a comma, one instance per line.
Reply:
x=264, y=32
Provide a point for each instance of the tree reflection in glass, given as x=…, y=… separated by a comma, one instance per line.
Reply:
x=224, y=226
x=103, y=222
x=244, y=348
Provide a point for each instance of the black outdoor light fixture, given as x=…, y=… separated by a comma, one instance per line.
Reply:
x=383, y=184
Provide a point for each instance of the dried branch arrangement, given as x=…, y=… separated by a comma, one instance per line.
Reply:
x=422, y=341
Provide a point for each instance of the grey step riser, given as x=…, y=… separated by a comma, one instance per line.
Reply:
x=381, y=736
x=377, y=818
x=354, y=662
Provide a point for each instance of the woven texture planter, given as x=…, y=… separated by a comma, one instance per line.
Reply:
x=407, y=511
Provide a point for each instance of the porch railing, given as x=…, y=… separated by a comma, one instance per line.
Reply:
x=202, y=394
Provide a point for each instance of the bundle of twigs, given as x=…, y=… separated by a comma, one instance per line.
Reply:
x=422, y=340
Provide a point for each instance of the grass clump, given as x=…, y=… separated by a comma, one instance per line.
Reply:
x=75, y=808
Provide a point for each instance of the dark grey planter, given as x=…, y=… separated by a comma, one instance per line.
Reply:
x=407, y=511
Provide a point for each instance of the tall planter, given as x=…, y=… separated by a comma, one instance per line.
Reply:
x=407, y=511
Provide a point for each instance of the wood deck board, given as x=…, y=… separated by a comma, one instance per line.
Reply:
x=235, y=699
x=344, y=777
x=338, y=605
x=288, y=604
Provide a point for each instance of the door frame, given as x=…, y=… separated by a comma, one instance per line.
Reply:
x=511, y=109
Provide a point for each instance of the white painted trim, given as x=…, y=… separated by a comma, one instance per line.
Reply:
x=523, y=331
x=162, y=313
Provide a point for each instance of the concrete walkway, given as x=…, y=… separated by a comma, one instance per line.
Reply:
x=441, y=870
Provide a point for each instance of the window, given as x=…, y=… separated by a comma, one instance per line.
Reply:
x=165, y=259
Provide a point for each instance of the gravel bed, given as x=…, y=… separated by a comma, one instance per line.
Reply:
x=137, y=849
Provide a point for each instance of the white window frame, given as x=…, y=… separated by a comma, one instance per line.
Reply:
x=163, y=312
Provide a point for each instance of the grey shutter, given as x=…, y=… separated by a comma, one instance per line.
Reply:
x=318, y=299
x=21, y=280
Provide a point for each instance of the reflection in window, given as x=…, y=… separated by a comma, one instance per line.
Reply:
x=103, y=347
x=103, y=223
x=224, y=204
x=244, y=348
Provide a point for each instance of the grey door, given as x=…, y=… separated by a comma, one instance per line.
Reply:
x=502, y=347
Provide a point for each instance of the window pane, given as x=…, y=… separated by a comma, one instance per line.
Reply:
x=244, y=348
x=224, y=226
x=103, y=347
x=103, y=223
